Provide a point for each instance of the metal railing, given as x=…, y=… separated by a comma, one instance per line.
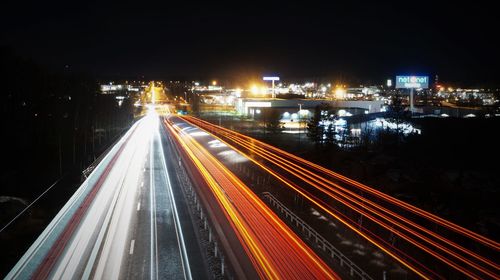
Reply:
x=314, y=236
x=208, y=236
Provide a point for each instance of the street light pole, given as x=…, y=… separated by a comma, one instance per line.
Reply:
x=300, y=120
x=274, y=93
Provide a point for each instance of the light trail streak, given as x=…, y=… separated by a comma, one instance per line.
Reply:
x=278, y=252
x=97, y=249
x=261, y=205
x=479, y=238
x=326, y=186
x=95, y=234
x=289, y=166
x=344, y=220
x=231, y=213
x=49, y=260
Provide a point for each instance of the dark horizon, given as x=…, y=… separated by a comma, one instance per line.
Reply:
x=351, y=42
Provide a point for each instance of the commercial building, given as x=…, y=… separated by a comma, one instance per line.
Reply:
x=252, y=106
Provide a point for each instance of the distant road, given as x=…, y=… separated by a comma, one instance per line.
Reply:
x=451, y=105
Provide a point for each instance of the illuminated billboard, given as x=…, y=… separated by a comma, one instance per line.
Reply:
x=271, y=78
x=412, y=81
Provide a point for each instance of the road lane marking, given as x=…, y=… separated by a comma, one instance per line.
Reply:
x=142, y=184
x=138, y=206
x=132, y=243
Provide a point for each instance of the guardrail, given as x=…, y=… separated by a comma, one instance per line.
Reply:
x=334, y=253
x=208, y=235
x=205, y=226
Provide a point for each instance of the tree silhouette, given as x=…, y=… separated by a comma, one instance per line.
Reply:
x=319, y=126
x=272, y=120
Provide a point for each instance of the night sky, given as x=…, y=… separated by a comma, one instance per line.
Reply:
x=356, y=41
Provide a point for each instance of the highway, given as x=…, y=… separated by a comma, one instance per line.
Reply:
x=428, y=246
x=130, y=218
x=274, y=249
x=127, y=220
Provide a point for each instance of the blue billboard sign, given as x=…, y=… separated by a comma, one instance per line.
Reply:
x=271, y=78
x=412, y=81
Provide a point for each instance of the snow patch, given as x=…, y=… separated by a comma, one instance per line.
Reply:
x=333, y=224
x=359, y=252
x=378, y=255
x=378, y=263
x=346, y=242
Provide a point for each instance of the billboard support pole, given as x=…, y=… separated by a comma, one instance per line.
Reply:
x=411, y=101
x=272, y=79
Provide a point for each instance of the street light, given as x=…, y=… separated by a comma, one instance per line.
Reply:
x=254, y=89
x=340, y=93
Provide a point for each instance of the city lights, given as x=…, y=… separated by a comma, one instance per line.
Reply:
x=258, y=91
x=202, y=141
x=340, y=93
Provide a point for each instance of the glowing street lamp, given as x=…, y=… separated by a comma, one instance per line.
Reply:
x=340, y=93
x=254, y=90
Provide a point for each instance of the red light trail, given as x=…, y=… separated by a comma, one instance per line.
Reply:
x=274, y=249
x=384, y=215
